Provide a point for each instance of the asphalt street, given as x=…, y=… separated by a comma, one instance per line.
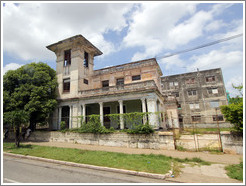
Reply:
x=17, y=170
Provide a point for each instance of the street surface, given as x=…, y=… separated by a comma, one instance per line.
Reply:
x=17, y=170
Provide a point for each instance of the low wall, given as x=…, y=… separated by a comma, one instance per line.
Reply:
x=149, y=141
x=159, y=140
x=206, y=125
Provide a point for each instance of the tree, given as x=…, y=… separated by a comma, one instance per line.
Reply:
x=31, y=89
x=234, y=111
x=17, y=120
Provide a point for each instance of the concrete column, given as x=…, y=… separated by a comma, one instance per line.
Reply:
x=152, y=108
x=78, y=115
x=59, y=117
x=83, y=112
x=144, y=110
x=121, y=117
x=71, y=116
x=101, y=112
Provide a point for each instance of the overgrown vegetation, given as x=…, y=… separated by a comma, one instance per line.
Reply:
x=132, y=121
x=159, y=164
x=235, y=171
x=204, y=130
x=234, y=111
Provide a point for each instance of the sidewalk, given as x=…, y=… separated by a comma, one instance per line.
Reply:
x=214, y=173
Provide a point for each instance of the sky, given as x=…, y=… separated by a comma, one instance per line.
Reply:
x=127, y=32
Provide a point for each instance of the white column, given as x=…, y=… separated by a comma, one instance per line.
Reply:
x=83, y=112
x=144, y=110
x=101, y=112
x=71, y=117
x=78, y=115
x=59, y=117
x=121, y=116
x=152, y=108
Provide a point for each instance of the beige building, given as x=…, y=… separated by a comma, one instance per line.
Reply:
x=131, y=87
x=82, y=91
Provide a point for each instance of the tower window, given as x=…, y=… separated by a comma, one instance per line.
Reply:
x=105, y=83
x=67, y=57
x=66, y=85
x=86, y=59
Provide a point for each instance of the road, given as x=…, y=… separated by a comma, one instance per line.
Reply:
x=17, y=170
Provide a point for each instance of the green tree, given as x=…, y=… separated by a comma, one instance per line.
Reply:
x=32, y=89
x=17, y=120
x=234, y=111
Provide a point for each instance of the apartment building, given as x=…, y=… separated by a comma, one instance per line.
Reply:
x=199, y=95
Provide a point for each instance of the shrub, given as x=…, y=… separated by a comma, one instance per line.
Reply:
x=63, y=125
x=141, y=129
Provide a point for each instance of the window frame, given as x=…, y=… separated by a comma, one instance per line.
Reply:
x=86, y=59
x=192, y=92
x=208, y=77
x=86, y=81
x=66, y=85
x=118, y=83
x=105, y=83
x=67, y=56
x=220, y=117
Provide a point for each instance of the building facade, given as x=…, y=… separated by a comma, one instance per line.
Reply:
x=82, y=91
x=131, y=87
x=199, y=95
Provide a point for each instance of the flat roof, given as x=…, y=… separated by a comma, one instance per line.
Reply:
x=77, y=38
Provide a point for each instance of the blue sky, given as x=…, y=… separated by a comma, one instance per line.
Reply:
x=127, y=32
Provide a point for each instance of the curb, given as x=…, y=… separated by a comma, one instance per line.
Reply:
x=123, y=171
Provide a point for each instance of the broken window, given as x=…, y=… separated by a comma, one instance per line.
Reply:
x=190, y=81
x=210, y=78
x=120, y=81
x=105, y=83
x=86, y=59
x=194, y=106
x=135, y=78
x=196, y=118
x=86, y=81
x=213, y=91
x=219, y=117
x=66, y=85
x=67, y=58
x=191, y=92
x=214, y=104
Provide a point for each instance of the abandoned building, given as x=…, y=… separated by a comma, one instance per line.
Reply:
x=131, y=87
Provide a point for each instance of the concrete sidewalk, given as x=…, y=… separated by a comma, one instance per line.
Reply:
x=214, y=173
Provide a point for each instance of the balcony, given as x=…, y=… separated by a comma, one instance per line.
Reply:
x=126, y=88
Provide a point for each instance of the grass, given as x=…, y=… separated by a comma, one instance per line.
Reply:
x=235, y=171
x=205, y=130
x=159, y=164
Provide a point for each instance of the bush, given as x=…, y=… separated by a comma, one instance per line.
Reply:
x=141, y=129
x=63, y=125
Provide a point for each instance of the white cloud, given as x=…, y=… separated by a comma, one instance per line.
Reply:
x=29, y=27
x=215, y=25
x=11, y=66
x=172, y=62
x=235, y=80
x=217, y=58
x=151, y=23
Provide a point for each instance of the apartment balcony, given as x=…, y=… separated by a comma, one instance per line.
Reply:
x=126, y=88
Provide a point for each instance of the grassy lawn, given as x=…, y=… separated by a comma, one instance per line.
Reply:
x=235, y=171
x=139, y=162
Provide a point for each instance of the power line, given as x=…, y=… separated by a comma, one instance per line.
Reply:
x=201, y=46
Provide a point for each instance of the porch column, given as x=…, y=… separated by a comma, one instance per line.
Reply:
x=121, y=116
x=78, y=115
x=101, y=112
x=83, y=111
x=59, y=117
x=71, y=116
x=144, y=110
x=153, y=117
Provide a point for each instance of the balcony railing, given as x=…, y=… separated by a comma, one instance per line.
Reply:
x=131, y=87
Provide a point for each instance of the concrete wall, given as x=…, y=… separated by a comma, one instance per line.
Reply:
x=232, y=143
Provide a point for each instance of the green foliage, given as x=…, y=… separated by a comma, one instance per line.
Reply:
x=16, y=118
x=234, y=111
x=235, y=171
x=31, y=88
x=141, y=129
x=234, y=114
x=63, y=125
